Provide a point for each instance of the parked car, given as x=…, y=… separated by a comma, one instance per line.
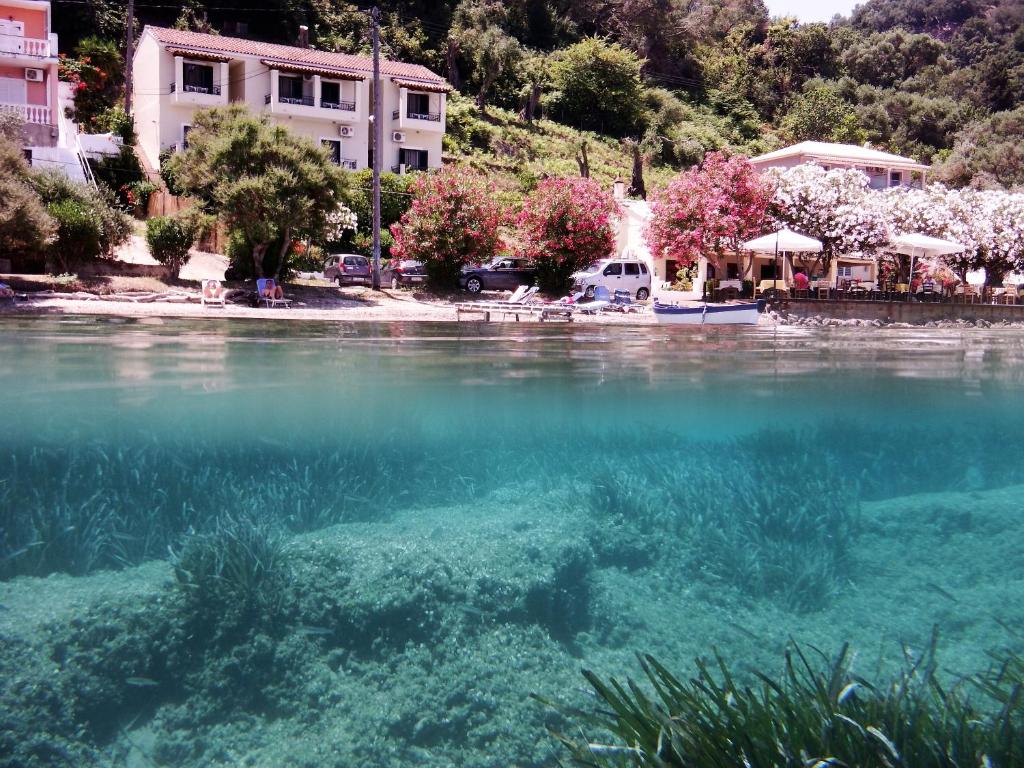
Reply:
x=406, y=272
x=503, y=274
x=615, y=274
x=347, y=269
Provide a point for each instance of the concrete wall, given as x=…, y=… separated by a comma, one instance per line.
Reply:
x=150, y=70
x=902, y=311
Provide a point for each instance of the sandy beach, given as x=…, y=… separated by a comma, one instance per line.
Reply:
x=331, y=304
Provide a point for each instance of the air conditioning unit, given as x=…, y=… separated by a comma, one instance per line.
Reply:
x=346, y=131
x=34, y=75
x=398, y=136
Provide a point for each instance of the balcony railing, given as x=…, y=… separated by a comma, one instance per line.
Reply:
x=346, y=106
x=30, y=113
x=16, y=45
x=434, y=117
x=212, y=89
x=301, y=101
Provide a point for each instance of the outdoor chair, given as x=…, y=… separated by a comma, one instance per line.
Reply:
x=212, y=293
x=601, y=300
x=968, y=294
x=623, y=301
x=1009, y=295
x=265, y=284
x=901, y=291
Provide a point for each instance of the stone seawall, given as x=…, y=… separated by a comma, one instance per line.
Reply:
x=889, y=312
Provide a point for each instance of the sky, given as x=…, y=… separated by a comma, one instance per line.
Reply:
x=810, y=10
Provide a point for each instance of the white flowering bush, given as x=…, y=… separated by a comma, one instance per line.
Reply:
x=989, y=224
x=833, y=206
x=340, y=220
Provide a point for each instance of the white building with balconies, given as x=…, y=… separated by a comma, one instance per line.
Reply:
x=321, y=95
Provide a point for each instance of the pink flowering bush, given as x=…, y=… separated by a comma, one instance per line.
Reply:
x=567, y=224
x=453, y=221
x=708, y=210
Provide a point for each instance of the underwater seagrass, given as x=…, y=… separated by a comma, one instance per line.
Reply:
x=818, y=714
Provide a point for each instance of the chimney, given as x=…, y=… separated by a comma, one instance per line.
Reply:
x=303, y=36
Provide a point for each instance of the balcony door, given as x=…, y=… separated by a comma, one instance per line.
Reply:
x=13, y=90
x=413, y=159
x=11, y=34
x=198, y=78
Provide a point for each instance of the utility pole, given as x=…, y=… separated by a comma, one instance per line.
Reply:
x=128, y=55
x=378, y=142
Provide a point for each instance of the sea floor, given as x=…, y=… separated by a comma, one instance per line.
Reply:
x=418, y=641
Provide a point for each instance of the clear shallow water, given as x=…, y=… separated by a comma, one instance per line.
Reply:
x=754, y=476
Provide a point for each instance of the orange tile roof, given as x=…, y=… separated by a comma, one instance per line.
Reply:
x=310, y=57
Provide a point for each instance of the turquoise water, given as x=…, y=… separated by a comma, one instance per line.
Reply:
x=460, y=515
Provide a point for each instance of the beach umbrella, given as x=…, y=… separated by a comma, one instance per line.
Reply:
x=921, y=246
x=786, y=241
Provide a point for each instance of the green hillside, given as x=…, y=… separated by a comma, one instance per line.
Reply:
x=940, y=81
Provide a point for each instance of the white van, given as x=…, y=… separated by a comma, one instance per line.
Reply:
x=615, y=274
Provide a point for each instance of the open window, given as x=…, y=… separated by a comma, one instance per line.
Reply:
x=413, y=159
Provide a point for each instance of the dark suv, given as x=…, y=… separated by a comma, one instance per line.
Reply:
x=504, y=274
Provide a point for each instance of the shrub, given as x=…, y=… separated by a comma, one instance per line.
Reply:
x=453, y=221
x=567, y=224
x=25, y=225
x=170, y=238
x=90, y=225
x=78, y=233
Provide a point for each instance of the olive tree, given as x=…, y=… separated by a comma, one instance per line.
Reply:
x=268, y=186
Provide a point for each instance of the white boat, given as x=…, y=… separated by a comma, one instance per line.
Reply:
x=708, y=314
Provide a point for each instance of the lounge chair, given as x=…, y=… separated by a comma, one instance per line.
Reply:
x=622, y=301
x=212, y=293
x=601, y=300
x=262, y=285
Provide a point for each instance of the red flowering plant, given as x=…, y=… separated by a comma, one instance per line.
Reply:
x=708, y=210
x=453, y=221
x=567, y=224
x=96, y=75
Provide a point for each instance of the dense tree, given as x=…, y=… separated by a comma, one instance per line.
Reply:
x=708, y=210
x=596, y=86
x=453, y=221
x=478, y=30
x=988, y=153
x=567, y=224
x=832, y=206
x=268, y=186
x=819, y=113
x=909, y=74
